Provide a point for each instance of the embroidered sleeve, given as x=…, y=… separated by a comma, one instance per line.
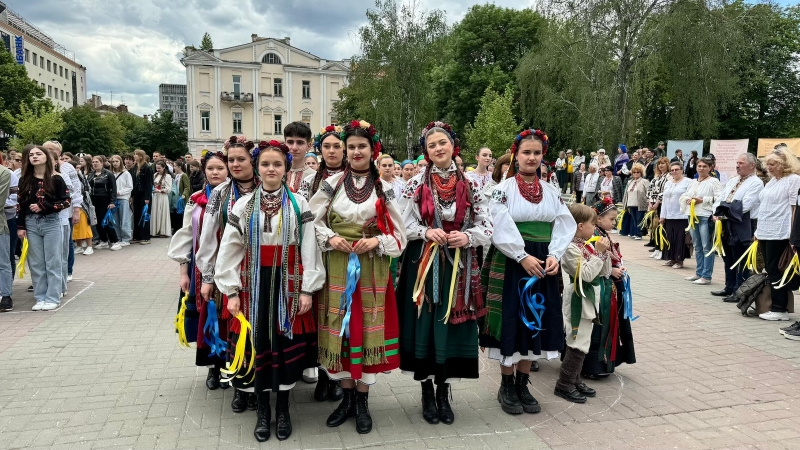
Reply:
x=389, y=193
x=234, y=221
x=306, y=217
x=325, y=187
x=304, y=190
x=500, y=196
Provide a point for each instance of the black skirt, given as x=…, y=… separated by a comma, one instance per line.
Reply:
x=675, y=230
x=594, y=364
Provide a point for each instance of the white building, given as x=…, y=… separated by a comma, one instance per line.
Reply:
x=48, y=64
x=255, y=89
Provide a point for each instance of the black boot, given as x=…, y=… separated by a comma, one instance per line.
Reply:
x=334, y=390
x=252, y=401
x=283, y=423
x=429, y=410
x=507, y=396
x=346, y=409
x=263, y=417
x=321, y=390
x=446, y=415
x=239, y=402
x=363, y=419
x=585, y=390
x=212, y=381
x=529, y=404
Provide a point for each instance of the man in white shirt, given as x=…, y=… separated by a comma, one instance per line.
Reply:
x=590, y=185
x=738, y=209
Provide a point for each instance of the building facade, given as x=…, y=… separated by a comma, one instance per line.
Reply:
x=173, y=98
x=255, y=89
x=49, y=64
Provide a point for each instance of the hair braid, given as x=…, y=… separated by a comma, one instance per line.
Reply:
x=376, y=179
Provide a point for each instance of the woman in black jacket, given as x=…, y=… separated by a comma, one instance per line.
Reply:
x=103, y=189
x=142, y=194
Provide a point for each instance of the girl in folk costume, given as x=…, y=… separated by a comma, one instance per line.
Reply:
x=439, y=292
x=532, y=229
x=359, y=228
x=329, y=144
x=215, y=218
x=586, y=265
x=212, y=330
x=268, y=267
x=612, y=339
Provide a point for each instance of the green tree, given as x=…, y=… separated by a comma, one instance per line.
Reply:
x=16, y=88
x=135, y=130
x=206, y=44
x=482, y=51
x=388, y=85
x=86, y=132
x=165, y=136
x=35, y=124
x=115, y=132
x=495, y=125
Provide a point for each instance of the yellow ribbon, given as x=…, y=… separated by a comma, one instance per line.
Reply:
x=578, y=282
x=241, y=344
x=661, y=238
x=593, y=239
x=692, y=216
x=647, y=221
x=452, y=283
x=180, y=319
x=619, y=219
x=717, y=245
x=750, y=257
x=419, y=285
x=792, y=270
x=22, y=258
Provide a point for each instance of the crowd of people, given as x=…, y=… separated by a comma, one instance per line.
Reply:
x=342, y=264
x=77, y=204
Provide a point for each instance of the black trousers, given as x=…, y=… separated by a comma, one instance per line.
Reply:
x=772, y=252
x=141, y=230
x=736, y=276
x=106, y=234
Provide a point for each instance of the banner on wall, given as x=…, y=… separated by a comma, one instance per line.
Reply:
x=767, y=145
x=686, y=146
x=725, y=153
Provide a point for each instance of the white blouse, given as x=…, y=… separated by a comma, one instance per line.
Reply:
x=232, y=248
x=296, y=176
x=709, y=190
x=308, y=182
x=670, y=203
x=775, y=213
x=355, y=213
x=180, y=246
x=482, y=181
x=206, y=257
x=590, y=182
x=479, y=234
x=508, y=207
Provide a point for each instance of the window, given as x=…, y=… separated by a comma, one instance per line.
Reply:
x=62, y=95
x=205, y=120
x=28, y=55
x=166, y=99
x=306, y=89
x=278, y=129
x=237, y=86
x=67, y=97
x=60, y=70
x=41, y=62
x=237, y=122
x=50, y=91
x=271, y=58
x=277, y=87
x=35, y=59
x=42, y=85
x=48, y=66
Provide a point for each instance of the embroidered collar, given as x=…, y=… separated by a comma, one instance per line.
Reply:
x=443, y=172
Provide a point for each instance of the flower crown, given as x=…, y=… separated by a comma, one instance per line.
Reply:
x=206, y=155
x=235, y=140
x=603, y=206
x=330, y=130
x=538, y=133
x=446, y=127
x=273, y=144
x=373, y=134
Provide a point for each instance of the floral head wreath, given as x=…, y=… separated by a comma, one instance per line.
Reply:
x=206, y=155
x=373, y=134
x=515, y=147
x=603, y=206
x=330, y=130
x=273, y=144
x=450, y=134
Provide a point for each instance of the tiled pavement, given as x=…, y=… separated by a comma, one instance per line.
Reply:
x=105, y=371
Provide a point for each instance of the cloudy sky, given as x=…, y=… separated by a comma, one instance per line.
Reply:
x=130, y=47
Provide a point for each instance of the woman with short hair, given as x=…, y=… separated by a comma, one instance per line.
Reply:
x=673, y=219
x=700, y=197
x=634, y=202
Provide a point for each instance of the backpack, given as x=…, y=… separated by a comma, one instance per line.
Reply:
x=749, y=291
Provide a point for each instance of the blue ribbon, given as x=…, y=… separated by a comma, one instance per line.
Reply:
x=108, y=220
x=627, y=298
x=145, y=215
x=346, y=301
x=180, y=205
x=533, y=302
x=211, y=331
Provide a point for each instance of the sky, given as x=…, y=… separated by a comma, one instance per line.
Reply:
x=130, y=47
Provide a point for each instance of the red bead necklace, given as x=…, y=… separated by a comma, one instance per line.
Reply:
x=530, y=191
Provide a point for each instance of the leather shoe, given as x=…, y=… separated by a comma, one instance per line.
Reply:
x=430, y=411
x=721, y=293
x=585, y=390
x=212, y=381
x=573, y=396
x=239, y=402
x=346, y=409
x=730, y=299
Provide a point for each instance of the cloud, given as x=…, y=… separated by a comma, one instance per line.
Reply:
x=130, y=47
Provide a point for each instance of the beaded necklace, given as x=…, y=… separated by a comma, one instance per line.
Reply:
x=270, y=205
x=530, y=191
x=355, y=194
x=445, y=188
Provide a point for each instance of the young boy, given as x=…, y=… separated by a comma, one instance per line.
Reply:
x=586, y=265
x=297, y=136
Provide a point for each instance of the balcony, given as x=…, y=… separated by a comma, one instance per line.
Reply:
x=233, y=97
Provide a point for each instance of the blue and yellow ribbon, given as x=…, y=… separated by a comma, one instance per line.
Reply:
x=346, y=301
x=239, y=352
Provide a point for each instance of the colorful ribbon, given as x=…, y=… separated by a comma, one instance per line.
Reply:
x=533, y=302
x=428, y=255
x=145, y=215
x=211, y=331
x=750, y=257
x=346, y=301
x=790, y=272
x=693, y=219
x=453, y=277
x=661, y=238
x=180, y=205
x=717, y=245
x=108, y=219
x=239, y=352
x=180, y=325
x=627, y=298
x=647, y=220
x=22, y=258
x=619, y=220
x=593, y=239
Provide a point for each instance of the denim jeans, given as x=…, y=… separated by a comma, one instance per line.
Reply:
x=124, y=217
x=45, y=232
x=702, y=241
x=634, y=218
x=71, y=257
x=12, y=253
x=6, y=269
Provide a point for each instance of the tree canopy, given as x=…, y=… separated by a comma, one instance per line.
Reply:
x=206, y=43
x=16, y=89
x=495, y=125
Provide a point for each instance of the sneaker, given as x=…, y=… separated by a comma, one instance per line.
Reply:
x=774, y=316
x=310, y=375
x=102, y=245
x=659, y=254
x=88, y=251
x=49, y=306
x=38, y=306
x=793, y=334
x=30, y=288
x=116, y=246
x=69, y=278
x=794, y=326
x=124, y=244
x=637, y=238
x=78, y=250
x=702, y=281
x=144, y=242
x=6, y=304
x=692, y=278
